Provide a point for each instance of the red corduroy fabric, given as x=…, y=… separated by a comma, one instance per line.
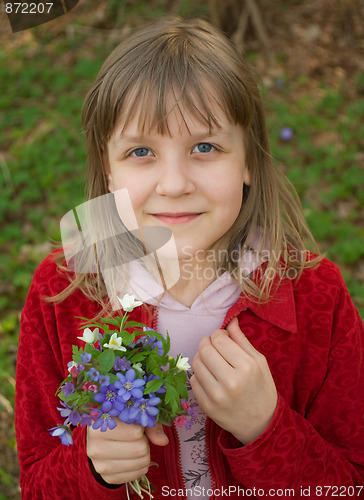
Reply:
x=312, y=337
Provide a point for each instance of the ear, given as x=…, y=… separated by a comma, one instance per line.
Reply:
x=246, y=176
x=106, y=164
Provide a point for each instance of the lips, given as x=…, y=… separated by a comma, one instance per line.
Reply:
x=176, y=217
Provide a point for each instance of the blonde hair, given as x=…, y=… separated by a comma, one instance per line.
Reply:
x=201, y=68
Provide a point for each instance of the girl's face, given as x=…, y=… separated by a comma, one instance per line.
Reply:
x=190, y=181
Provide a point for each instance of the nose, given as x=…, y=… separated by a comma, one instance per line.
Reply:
x=174, y=179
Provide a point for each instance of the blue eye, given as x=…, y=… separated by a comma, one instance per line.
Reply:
x=203, y=147
x=141, y=152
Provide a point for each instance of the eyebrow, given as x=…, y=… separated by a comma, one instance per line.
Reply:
x=137, y=139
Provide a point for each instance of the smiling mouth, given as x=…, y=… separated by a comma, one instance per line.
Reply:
x=176, y=217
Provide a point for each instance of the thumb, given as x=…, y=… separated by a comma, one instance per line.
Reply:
x=238, y=336
x=156, y=435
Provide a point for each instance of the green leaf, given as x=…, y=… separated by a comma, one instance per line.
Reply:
x=172, y=395
x=139, y=356
x=111, y=321
x=127, y=337
x=134, y=324
x=76, y=353
x=106, y=360
x=153, y=386
x=167, y=345
x=182, y=389
x=158, y=336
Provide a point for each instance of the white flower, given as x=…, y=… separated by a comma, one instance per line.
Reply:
x=115, y=343
x=90, y=336
x=138, y=367
x=182, y=363
x=128, y=302
x=71, y=364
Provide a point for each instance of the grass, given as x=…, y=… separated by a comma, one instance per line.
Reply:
x=43, y=159
x=322, y=160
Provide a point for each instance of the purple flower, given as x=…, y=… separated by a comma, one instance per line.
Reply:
x=74, y=417
x=192, y=412
x=286, y=133
x=105, y=420
x=80, y=367
x=128, y=386
x=64, y=433
x=121, y=364
x=94, y=374
x=189, y=424
x=68, y=388
x=124, y=409
x=144, y=411
x=104, y=380
x=151, y=341
x=86, y=357
x=107, y=396
x=65, y=412
x=86, y=419
x=156, y=344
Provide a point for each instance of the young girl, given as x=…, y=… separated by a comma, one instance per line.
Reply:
x=276, y=345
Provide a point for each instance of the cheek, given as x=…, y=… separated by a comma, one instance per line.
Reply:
x=135, y=190
x=129, y=199
x=231, y=195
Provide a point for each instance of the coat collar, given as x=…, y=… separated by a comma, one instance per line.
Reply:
x=280, y=311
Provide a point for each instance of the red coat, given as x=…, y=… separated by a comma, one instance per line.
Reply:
x=312, y=337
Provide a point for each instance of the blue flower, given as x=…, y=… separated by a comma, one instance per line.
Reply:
x=124, y=409
x=286, y=133
x=65, y=412
x=86, y=357
x=152, y=341
x=156, y=344
x=104, y=380
x=128, y=386
x=280, y=84
x=94, y=374
x=121, y=364
x=107, y=396
x=105, y=420
x=68, y=389
x=144, y=411
x=86, y=419
x=64, y=433
x=74, y=417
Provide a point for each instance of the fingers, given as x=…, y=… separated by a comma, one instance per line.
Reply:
x=239, y=338
x=120, y=455
x=130, y=467
x=156, y=435
x=208, y=368
x=199, y=393
x=116, y=450
x=122, y=432
x=220, y=354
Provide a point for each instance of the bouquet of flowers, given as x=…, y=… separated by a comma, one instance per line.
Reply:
x=122, y=373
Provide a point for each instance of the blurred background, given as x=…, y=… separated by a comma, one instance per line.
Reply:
x=310, y=56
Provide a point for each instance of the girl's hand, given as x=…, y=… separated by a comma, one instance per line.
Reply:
x=233, y=384
x=122, y=454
